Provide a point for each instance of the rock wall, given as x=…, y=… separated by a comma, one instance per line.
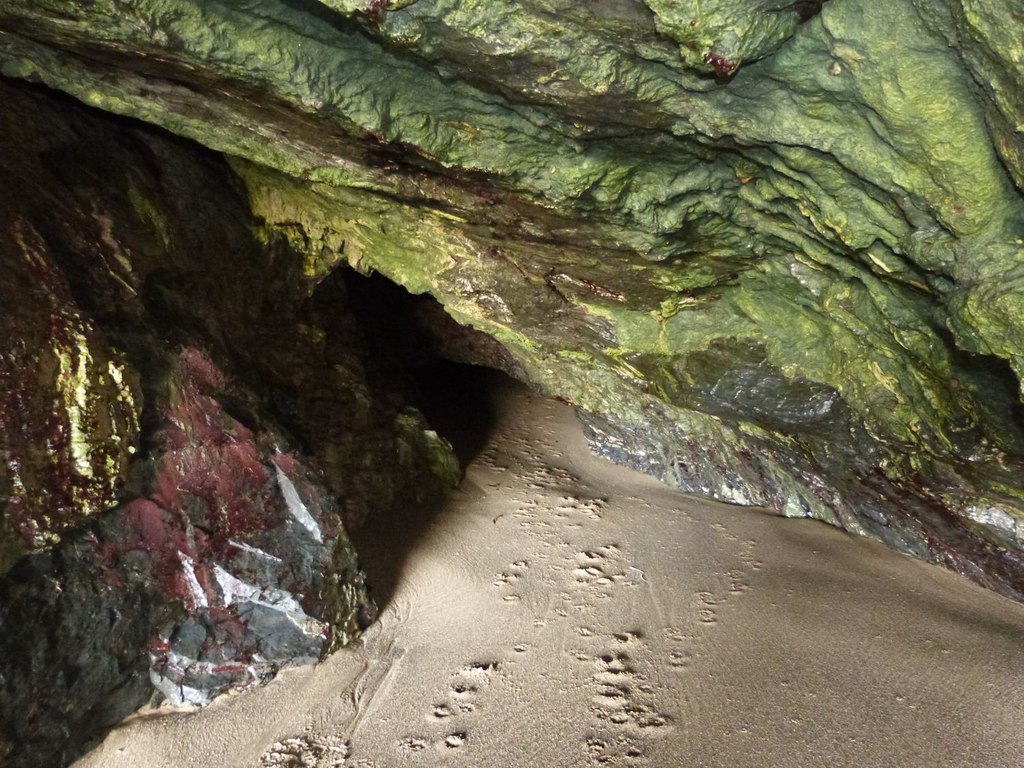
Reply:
x=188, y=418
x=779, y=248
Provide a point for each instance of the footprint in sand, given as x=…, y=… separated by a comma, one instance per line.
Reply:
x=455, y=740
x=413, y=744
x=464, y=690
x=678, y=643
x=468, y=683
x=601, y=566
x=627, y=638
x=679, y=659
x=508, y=578
x=512, y=574
x=307, y=751
x=706, y=604
x=572, y=508
x=441, y=711
x=615, y=751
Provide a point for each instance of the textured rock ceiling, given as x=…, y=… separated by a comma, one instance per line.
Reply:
x=774, y=252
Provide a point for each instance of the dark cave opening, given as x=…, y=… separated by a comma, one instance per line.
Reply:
x=259, y=420
x=451, y=374
x=455, y=399
x=443, y=369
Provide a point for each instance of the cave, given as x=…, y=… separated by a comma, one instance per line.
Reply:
x=520, y=382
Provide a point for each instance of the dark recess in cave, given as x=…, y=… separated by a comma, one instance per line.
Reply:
x=993, y=382
x=412, y=340
x=438, y=364
x=454, y=398
x=144, y=240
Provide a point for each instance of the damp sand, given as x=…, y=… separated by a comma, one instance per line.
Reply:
x=561, y=611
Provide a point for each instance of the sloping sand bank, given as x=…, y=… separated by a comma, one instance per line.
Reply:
x=561, y=611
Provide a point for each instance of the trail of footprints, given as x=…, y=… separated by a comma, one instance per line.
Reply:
x=624, y=715
x=624, y=719
x=450, y=718
x=618, y=669
x=678, y=644
x=624, y=711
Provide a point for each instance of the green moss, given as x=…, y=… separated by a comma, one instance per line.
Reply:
x=150, y=213
x=568, y=178
x=718, y=37
x=435, y=453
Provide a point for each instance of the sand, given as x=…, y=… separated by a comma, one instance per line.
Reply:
x=562, y=611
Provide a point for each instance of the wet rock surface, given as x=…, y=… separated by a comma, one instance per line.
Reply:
x=633, y=196
x=190, y=422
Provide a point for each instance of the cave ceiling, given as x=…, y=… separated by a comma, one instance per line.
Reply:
x=773, y=253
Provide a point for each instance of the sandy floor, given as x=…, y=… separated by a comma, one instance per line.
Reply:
x=561, y=611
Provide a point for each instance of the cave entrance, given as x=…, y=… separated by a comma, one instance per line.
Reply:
x=457, y=401
x=453, y=375
x=449, y=372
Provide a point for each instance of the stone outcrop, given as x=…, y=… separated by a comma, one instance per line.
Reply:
x=188, y=420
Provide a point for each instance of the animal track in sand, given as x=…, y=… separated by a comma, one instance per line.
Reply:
x=706, y=608
x=545, y=478
x=600, y=566
x=572, y=506
x=708, y=602
x=624, y=711
x=464, y=689
x=512, y=574
x=307, y=751
x=441, y=711
x=616, y=751
x=628, y=638
x=678, y=644
x=489, y=460
x=413, y=744
x=679, y=659
x=455, y=740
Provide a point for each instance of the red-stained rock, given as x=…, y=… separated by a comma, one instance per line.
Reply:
x=184, y=427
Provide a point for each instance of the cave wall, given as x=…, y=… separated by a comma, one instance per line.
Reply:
x=775, y=252
x=189, y=420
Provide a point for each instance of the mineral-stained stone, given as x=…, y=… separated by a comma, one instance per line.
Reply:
x=190, y=416
x=621, y=191
x=225, y=562
x=69, y=403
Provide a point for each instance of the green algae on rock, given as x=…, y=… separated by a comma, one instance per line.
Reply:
x=836, y=225
x=719, y=37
